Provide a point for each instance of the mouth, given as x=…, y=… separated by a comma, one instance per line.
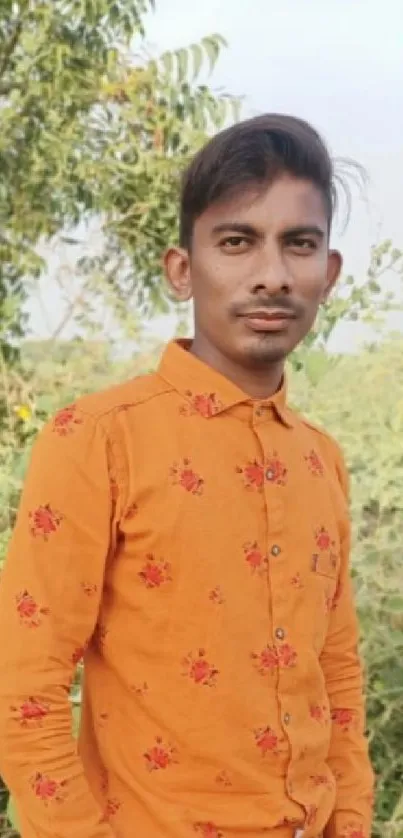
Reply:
x=268, y=320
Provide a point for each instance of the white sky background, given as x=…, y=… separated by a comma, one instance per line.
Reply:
x=336, y=63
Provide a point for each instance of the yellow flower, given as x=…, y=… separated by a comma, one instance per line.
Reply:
x=23, y=412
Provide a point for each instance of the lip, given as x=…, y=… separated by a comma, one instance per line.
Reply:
x=266, y=320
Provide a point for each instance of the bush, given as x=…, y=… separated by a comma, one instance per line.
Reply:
x=360, y=400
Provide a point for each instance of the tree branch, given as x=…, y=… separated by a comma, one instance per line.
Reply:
x=10, y=47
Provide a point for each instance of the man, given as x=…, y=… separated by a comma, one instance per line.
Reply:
x=187, y=535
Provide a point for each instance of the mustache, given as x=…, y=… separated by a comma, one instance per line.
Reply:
x=266, y=304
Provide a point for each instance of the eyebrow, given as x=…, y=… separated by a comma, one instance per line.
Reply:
x=304, y=230
x=249, y=230
x=234, y=227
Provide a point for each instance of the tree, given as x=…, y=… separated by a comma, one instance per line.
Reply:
x=92, y=129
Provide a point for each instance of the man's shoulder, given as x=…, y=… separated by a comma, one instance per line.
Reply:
x=122, y=396
x=322, y=437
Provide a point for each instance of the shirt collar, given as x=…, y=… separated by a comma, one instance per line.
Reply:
x=207, y=391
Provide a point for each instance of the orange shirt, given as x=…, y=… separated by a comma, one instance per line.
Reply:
x=193, y=546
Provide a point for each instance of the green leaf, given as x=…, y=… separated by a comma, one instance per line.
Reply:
x=182, y=57
x=197, y=55
x=212, y=46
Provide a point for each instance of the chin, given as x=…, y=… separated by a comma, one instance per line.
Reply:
x=260, y=353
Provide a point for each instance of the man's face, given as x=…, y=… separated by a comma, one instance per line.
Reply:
x=258, y=270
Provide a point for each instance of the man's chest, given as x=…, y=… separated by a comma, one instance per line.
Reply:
x=232, y=531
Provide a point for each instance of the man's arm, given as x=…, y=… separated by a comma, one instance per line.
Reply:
x=348, y=756
x=50, y=592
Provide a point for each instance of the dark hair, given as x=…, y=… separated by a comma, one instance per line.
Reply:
x=254, y=151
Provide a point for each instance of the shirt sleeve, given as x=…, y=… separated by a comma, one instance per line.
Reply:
x=50, y=593
x=348, y=756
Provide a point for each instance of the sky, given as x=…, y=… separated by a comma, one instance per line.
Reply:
x=336, y=63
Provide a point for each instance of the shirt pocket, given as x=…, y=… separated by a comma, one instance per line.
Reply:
x=326, y=565
x=324, y=576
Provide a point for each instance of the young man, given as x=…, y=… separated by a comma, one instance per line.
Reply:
x=187, y=534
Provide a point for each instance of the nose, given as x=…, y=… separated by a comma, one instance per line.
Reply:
x=272, y=275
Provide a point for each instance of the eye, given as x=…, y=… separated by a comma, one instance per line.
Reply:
x=234, y=243
x=304, y=244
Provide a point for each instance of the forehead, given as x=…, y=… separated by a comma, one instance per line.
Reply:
x=287, y=202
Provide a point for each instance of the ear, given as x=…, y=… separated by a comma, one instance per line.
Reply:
x=334, y=266
x=177, y=273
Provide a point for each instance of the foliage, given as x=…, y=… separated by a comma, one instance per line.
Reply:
x=360, y=400
x=92, y=129
x=95, y=130
x=369, y=428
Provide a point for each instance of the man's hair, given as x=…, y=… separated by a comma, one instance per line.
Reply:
x=254, y=152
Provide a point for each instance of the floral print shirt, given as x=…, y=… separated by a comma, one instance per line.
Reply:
x=191, y=546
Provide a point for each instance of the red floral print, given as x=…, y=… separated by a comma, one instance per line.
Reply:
x=78, y=655
x=184, y=476
x=266, y=661
x=89, y=589
x=272, y=470
x=46, y=789
x=112, y=807
x=267, y=741
x=103, y=781
x=205, y=404
x=100, y=635
x=318, y=712
x=217, y=596
x=29, y=612
x=337, y=595
x=343, y=717
x=287, y=656
x=65, y=420
x=321, y=780
x=256, y=560
x=223, y=779
x=31, y=712
x=314, y=464
x=208, y=830
x=323, y=540
x=333, y=559
x=44, y=521
x=352, y=830
x=296, y=581
x=200, y=670
x=132, y=511
x=253, y=475
x=160, y=756
x=155, y=572
x=275, y=470
x=140, y=690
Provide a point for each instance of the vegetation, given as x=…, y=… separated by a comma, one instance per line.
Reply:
x=94, y=133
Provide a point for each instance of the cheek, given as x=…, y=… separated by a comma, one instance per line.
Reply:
x=310, y=279
x=210, y=283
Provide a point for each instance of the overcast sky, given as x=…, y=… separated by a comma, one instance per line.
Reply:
x=337, y=63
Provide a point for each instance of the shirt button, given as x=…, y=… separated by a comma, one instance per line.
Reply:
x=287, y=719
x=269, y=474
x=280, y=634
x=275, y=550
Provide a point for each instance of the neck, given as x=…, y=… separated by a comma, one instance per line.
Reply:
x=258, y=383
